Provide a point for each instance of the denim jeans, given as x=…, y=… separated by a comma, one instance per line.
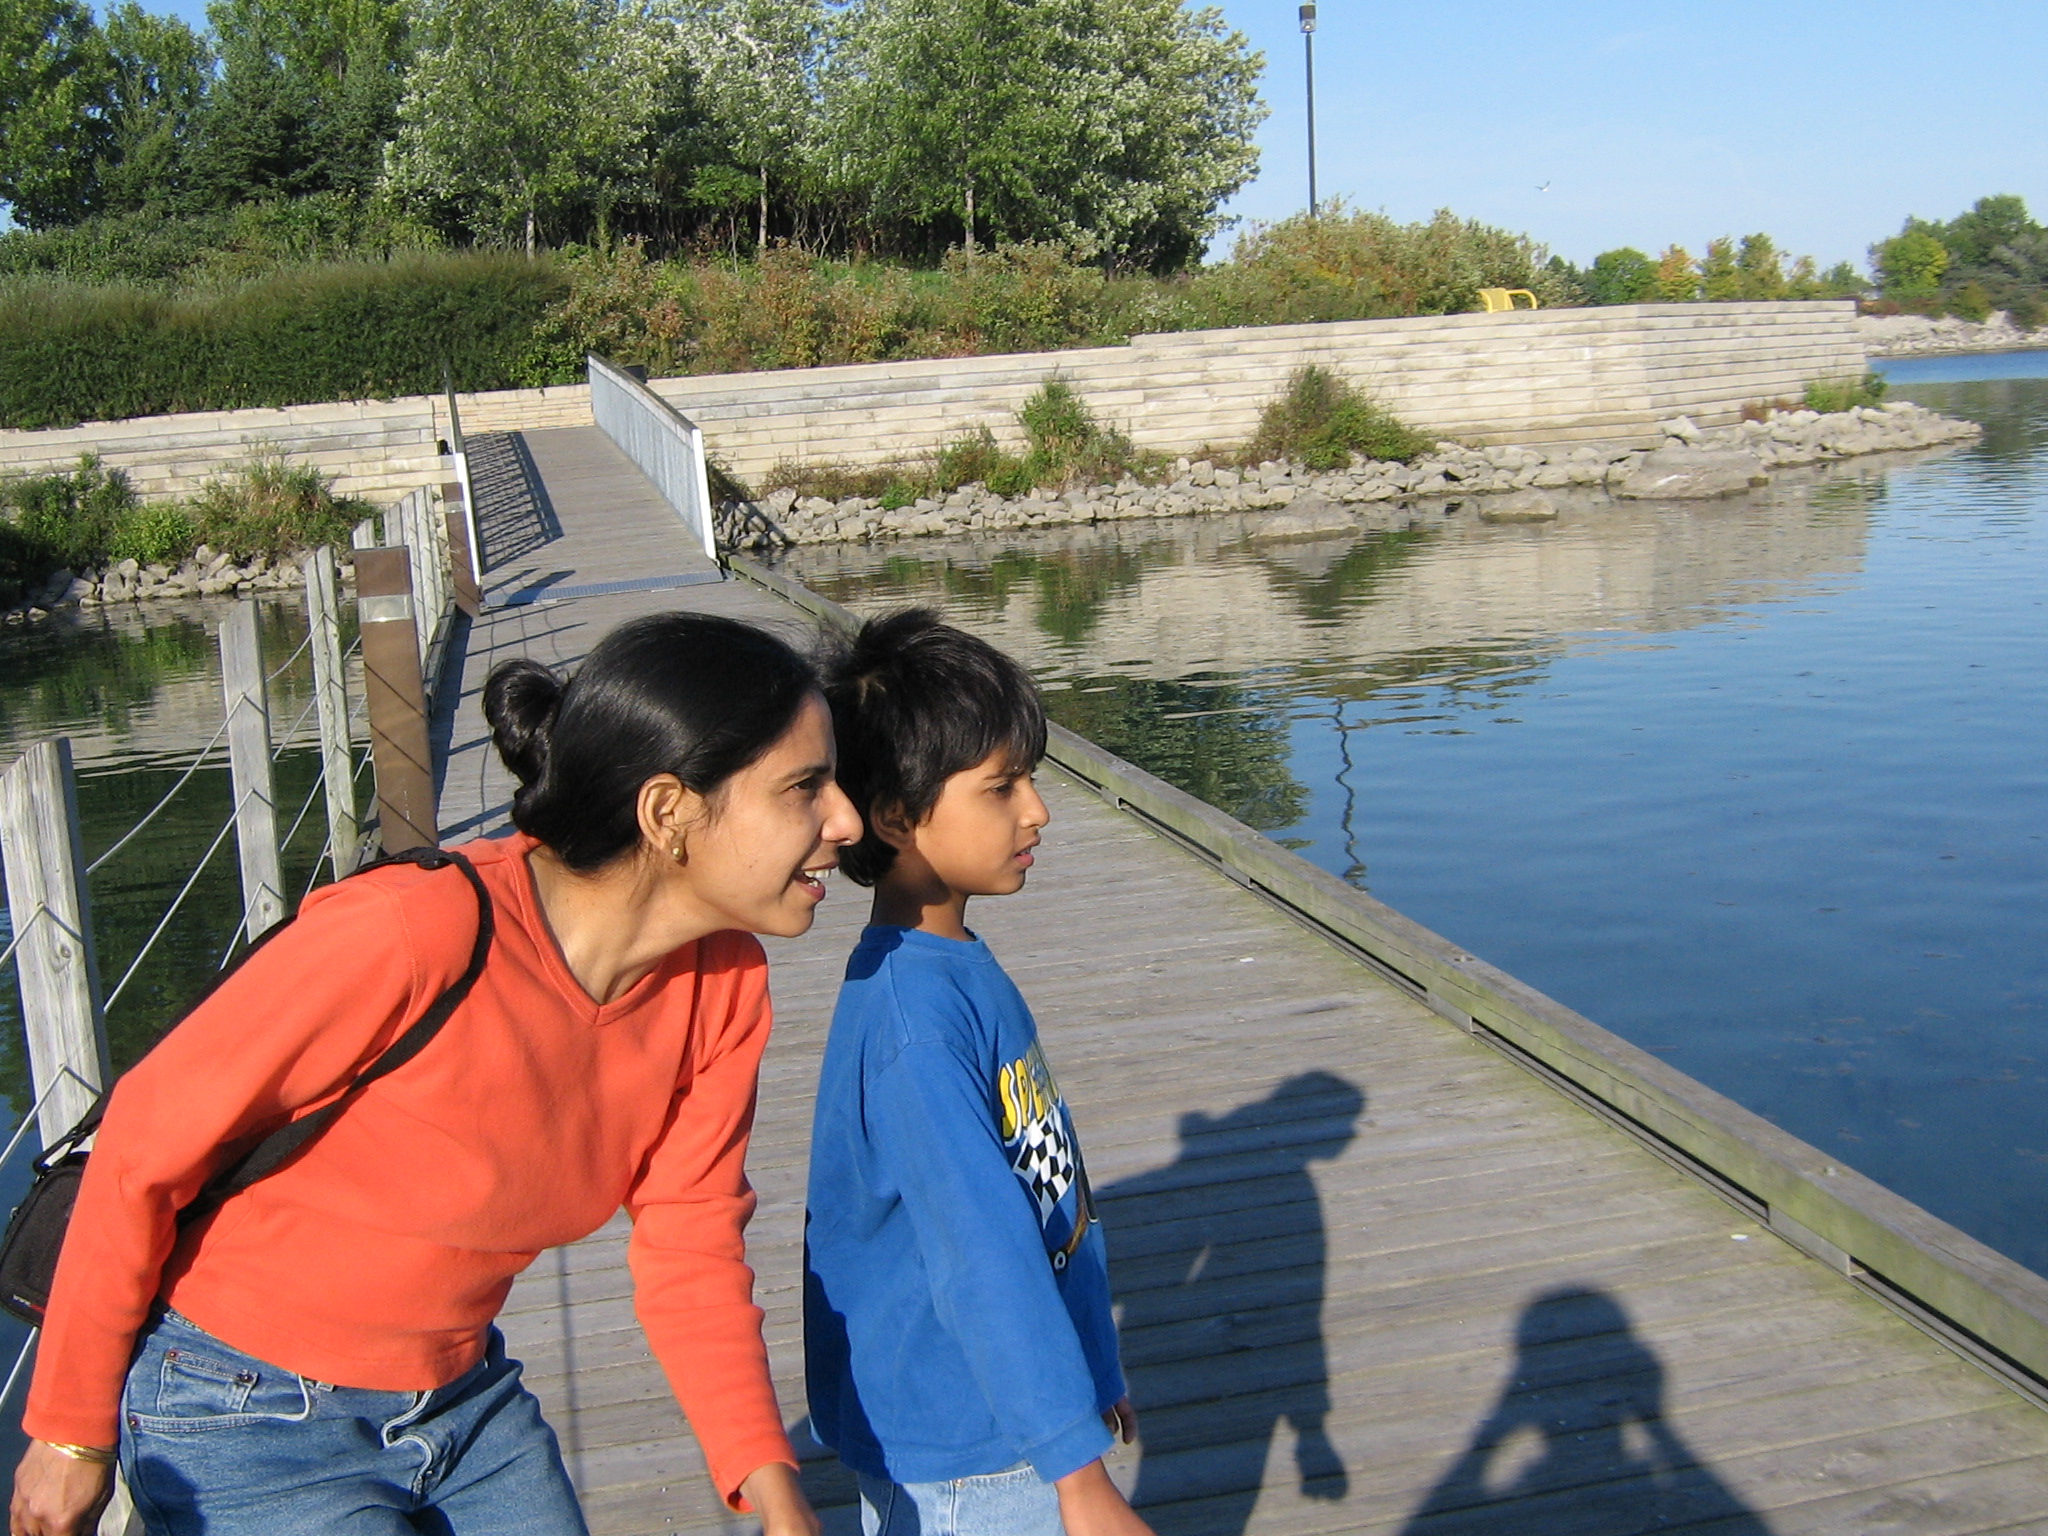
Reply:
x=216, y=1441
x=1014, y=1503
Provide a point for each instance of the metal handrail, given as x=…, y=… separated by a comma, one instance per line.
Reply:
x=150, y=815
x=666, y=445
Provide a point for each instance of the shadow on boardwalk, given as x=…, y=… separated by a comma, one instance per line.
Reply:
x=1218, y=1262
x=1579, y=1441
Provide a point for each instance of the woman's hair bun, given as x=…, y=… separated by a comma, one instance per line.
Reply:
x=520, y=700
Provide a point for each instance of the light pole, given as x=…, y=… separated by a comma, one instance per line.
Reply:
x=1308, y=55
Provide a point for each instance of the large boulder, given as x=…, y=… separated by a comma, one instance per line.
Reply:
x=1692, y=474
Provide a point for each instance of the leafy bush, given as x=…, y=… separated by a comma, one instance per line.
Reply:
x=91, y=517
x=1827, y=395
x=160, y=534
x=270, y=507
x=1970, y=302
x=1322, y=420
x=70, y=353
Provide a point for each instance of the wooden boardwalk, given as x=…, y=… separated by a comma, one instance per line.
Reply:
x=1372, y=1277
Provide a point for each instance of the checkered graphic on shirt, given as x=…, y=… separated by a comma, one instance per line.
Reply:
x=1044, y=1161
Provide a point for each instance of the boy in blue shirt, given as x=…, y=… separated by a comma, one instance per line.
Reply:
x=958, y=1342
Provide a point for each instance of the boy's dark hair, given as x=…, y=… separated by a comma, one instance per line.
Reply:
x=915, y=701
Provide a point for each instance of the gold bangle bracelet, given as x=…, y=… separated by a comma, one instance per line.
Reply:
x=92, y=1453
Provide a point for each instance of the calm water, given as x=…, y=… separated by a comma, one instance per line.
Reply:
x=1762, y=785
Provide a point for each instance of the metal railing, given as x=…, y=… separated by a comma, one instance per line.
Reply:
x=661, y=440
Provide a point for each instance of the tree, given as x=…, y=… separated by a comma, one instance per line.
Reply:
x=522, y=115
x=306, y=100
x=1720, y=277
x=1761, y=268
x=757, y=64
x=1974, y=238
x=1120, y=124
x=1622, y=276
x=160, y=72
x=1678, y=280
x=1910, y=265
x=56, y=84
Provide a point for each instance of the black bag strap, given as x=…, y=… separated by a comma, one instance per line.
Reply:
x=287, y=1141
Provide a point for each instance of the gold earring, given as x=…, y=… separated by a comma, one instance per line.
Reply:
x=676, y=852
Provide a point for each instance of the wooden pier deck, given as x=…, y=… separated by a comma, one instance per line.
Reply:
x=1373, y=1277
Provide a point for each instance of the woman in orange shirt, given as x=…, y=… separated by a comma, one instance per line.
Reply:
x=317, y=1354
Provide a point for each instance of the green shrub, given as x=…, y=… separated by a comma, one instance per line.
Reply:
x=345, y=332
x=1321, y=421
x=1970, y=302
x=159, y=534
x=270, y=507
x=1827, y=395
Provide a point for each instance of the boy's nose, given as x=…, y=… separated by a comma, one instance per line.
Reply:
x=1033, y=810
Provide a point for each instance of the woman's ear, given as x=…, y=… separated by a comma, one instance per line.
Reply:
x=668, y=811
x=892, y=824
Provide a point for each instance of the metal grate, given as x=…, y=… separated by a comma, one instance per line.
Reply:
x=542, y=593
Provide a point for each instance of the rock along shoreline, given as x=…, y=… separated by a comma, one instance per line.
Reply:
x=206, y=574
x=1692, y=463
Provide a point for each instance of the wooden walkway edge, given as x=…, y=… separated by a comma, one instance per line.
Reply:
x=1373, y=1275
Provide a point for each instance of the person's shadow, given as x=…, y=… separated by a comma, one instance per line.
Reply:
x=1217, y=1263
x=1579, y=1441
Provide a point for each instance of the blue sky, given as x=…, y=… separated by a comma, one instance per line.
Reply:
x=1824, y=124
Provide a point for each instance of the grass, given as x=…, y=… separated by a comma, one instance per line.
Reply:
x=1322, y=421
x=1830, y=395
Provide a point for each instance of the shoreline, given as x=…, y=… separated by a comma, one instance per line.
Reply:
x=1509, y=483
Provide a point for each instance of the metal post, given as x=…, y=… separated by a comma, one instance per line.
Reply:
x=52, y=916
x=330, y=702
x=1308, y=55
x=248, y=707
x=399, y=742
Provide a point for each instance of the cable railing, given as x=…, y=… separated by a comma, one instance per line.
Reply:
x=49, y=880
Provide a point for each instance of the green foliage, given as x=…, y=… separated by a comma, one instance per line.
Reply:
x=274, y=508
x=1623, y=276
x=1720, y=276
x=1992, y=257
x=63, y=520
x=70, y=353
x=1910, y=264
x=1322, y=420
x=1845, y=394
x=1970, y=302
x=91, y=517
x=1352, y=265
x=1677, y=279
x=161, y=533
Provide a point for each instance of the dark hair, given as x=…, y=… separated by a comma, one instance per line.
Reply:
x=915, y=701
x=683, y=693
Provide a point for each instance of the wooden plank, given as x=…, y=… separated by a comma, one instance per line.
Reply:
x=330, y=699
x=50, y=919
x=247, y=699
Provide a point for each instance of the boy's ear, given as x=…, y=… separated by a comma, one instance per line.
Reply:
x=892, y=824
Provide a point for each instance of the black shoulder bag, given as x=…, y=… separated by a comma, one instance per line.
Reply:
x=35, y=1233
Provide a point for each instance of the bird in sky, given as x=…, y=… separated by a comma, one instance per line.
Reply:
x=1544, y=188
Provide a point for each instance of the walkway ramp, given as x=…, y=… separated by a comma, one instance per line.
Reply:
x=1374, y=1278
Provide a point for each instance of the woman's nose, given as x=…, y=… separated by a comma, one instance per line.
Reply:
x=842, y=821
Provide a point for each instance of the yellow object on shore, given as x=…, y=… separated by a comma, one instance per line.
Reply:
x=1497, y=300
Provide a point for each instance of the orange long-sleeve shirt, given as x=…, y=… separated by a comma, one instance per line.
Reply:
x=380, y=1256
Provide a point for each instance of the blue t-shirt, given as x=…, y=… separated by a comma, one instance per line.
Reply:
x=956, y=1290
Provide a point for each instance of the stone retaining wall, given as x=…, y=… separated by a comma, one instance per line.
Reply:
x=1918, y=336
x=1546, y=377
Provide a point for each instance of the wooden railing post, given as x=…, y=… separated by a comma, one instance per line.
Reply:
x=52, y=916
x=248, y=707
x=330, y=701
x=399, y=742
x=469, y=595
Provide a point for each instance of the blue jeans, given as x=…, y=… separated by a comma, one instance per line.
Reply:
x=219, y=1442
x=1014, y=1503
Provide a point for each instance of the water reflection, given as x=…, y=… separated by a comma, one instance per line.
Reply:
x=1756, y=783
